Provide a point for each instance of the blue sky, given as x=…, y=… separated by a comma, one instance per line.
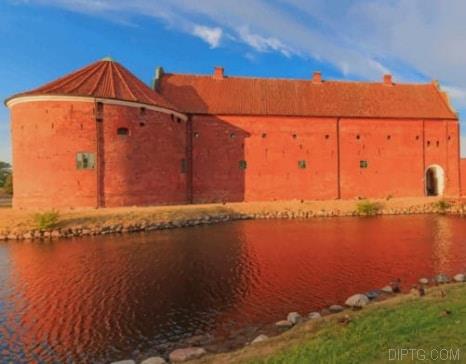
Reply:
x=415, y=40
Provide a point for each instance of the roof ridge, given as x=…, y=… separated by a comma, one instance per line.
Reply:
x=98, y=80
x=112, y=80
x=445, y=98
x=141, y=86
x=124, y=82
x=290, y=79
x=66, y=79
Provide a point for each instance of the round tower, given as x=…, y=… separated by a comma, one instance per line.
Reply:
x=98, y=137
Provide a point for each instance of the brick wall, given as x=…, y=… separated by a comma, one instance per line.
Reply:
x=144, y=167
x=45, y=139
x=397, y=153
x=141, y=168
x=234, y=158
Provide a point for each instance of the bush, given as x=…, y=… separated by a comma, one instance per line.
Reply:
x=442, y=205
x=8, y=184
x=46, y=220
x=5, y=171
x=368, y=208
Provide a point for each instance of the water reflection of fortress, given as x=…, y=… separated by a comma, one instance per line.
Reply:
x=100, y=137
x=87, y=299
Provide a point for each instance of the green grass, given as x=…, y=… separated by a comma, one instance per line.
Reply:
x=442, y=206
x=46, y=220
x=405, y=322
x=368, y=208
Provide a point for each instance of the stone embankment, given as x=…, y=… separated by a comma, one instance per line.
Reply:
x=343, y=314
x=89, y=223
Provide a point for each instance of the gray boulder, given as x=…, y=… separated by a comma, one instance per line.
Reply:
x=423, y=281
x=260, y=339
x=387, y=289
x=441, y=278
x=372, y=295
x=294, y=317
x=154, y=360
x=459, y=277
x=314, y=316
x=336, y=308
x=358, y=300
x=185, y=354
x=124, y=362
x=283, y=323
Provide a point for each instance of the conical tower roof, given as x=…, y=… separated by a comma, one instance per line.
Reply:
x=102, y=79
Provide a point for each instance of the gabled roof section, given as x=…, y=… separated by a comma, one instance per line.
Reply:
x=105, y=79
x=197, y=94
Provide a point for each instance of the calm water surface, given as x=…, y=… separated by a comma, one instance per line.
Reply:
x=111, y=298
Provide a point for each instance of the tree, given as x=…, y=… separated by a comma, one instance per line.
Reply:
x=8, y=185
x=5, y=171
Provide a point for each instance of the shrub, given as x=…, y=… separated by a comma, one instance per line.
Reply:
x=46, y=220
x=366, y=207
x=442, y=205
x=8, y=184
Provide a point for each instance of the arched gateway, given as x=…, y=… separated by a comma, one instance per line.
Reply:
x=434, y=180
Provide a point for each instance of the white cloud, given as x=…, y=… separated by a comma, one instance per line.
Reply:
x=416, y=39
x=263, y=44
x=211, y=36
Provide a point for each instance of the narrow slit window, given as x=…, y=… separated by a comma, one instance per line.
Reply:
x=302, y=164
x=99, y=111
x=363, y=164
x=85, y=160
x=184, y=166
x=243, y=164
x=123, y=132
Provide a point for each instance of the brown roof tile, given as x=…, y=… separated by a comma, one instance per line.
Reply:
x=103, y=79
x=260, y=96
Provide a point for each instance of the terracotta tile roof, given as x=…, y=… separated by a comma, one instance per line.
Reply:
x=259, y=96
x=103, y=79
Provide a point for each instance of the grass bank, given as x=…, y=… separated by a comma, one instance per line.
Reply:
x=72, y=222
x=430, y=323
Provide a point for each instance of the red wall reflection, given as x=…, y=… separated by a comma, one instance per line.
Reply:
x=101, y=299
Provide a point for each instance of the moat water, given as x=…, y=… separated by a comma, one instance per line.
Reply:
x=100, y=299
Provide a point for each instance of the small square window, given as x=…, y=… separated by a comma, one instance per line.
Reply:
x=302, y=164
x=123, y=132
x=85, y=160
x=363, y=164
x=243, y=164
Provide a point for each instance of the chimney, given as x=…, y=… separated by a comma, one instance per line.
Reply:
x=317, y=77
x=387, y=79
x=157, y=77
x=218, y=73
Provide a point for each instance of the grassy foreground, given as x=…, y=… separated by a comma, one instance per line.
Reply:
x=406, y=321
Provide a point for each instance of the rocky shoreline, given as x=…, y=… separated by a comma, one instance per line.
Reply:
x=343, y=314
x=204, y=218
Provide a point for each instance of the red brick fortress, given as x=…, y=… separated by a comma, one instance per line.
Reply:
x=99, y=137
